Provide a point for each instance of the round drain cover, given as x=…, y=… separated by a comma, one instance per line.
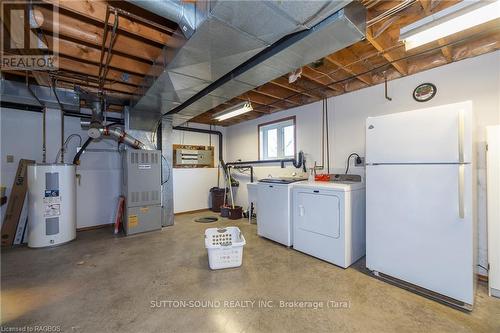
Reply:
x=208, y=219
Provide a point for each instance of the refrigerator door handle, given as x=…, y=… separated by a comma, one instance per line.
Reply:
x=461, y=131
x=461, y=184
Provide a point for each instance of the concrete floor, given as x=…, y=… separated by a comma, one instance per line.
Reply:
x=102, y=283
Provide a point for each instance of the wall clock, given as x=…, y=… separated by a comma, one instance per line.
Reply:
x=424, y=92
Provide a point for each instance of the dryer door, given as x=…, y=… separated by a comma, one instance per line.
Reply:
x=319, y=212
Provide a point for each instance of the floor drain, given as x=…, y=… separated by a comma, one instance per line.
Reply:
x=206, y=219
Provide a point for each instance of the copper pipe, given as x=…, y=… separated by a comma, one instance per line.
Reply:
x=44, y=134
x=104, y=37
x=53, y=84
x=110, y=48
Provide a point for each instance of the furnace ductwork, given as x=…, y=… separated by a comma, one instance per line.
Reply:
x=237, y=46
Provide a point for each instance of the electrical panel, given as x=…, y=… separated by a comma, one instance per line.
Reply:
x=188, y=156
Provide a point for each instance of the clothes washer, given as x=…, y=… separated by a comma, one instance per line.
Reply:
x=274, y=209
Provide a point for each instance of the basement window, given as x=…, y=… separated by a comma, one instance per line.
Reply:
x=277, y=139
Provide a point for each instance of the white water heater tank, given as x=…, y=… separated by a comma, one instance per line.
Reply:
x=52, y=204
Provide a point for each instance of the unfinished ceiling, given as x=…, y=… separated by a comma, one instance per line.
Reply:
x=85, y=61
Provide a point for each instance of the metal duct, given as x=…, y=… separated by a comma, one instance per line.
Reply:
x=336, y=32
x=228, y=34
x=182, y=13
x=18, y=93
x=97, y=111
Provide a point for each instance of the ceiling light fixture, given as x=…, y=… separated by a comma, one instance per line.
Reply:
x=234, y=111
x=446, y=22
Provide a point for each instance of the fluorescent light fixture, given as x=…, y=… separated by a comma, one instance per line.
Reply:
x=234, y=111
x=459, y=17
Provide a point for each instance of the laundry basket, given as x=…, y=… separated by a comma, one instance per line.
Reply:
x=225, y=247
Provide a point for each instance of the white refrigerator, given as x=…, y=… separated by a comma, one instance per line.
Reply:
x=420, y=198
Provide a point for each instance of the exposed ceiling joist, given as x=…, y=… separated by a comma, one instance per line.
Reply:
x=83, y=68
x=321, y=79
x=142, y=35
x=384, y=43
x=93, y=55
x=96, y=10
x=343, y=59
x=283, y=82
x=85, y=32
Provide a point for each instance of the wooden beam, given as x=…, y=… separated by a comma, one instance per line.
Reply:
x=276, y=98
x=108, y=86
x=383, y=43
x=321, y=78
x=283, y=82
x=93, y=70
x=259, y=100
x=312, y=87
x=266, y=103
x=93, y=55
x=96, y=10
x=346, y=60
x=283, y=94
x=255, y=96
x=85, y=32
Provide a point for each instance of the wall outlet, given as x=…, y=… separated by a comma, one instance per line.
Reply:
x=359, y=164
x=10, y=158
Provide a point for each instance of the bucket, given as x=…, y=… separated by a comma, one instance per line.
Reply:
x=235, y=213
x=216, y=198
x=224, y=211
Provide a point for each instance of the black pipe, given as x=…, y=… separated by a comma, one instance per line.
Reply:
x=76, y=159
x=297, y=163
x=200, y=130
x=261, y=162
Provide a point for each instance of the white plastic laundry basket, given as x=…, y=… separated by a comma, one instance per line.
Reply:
x=224, y=246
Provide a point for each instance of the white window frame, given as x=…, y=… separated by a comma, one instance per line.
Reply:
x=279, y=125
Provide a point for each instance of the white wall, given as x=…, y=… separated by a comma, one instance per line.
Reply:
x=475, y=79
x=100, y=169
x=192, y=185
x=99, y=186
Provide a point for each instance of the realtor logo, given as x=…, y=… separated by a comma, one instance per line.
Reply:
x=29, y=36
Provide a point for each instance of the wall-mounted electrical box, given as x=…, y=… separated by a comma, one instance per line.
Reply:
x=188, y=156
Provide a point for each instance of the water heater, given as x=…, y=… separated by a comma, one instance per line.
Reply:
x=52, y=204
